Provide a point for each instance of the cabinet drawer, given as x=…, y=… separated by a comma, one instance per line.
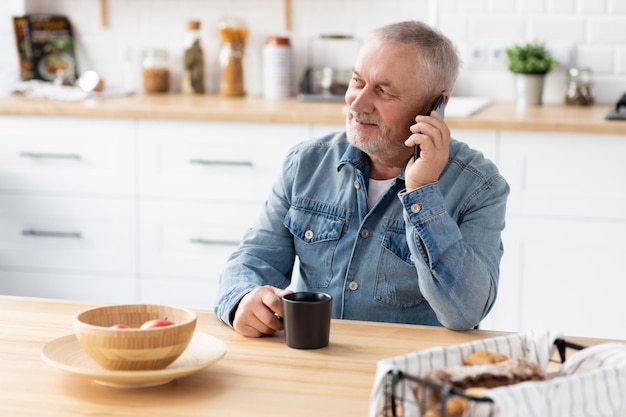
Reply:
x=77, y=234
x=102, y=288
x=176, y=290
x=213, y=160
x=60, y=155
x=191, y=239
x=564, y=175
x=565, y=275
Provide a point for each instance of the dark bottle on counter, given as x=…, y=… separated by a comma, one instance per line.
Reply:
x=192, y=77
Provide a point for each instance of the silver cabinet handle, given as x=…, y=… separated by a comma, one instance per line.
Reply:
x=213, y=242
x=48, y=155
x=51, y=233
x=216, y=162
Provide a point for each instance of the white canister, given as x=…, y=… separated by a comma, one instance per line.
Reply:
x=278, y=69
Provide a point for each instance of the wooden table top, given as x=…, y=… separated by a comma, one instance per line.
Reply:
x=256, y=377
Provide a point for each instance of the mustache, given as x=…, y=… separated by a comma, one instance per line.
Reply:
x=364, y=118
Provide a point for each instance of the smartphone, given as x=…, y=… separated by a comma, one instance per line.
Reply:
x=439, y=107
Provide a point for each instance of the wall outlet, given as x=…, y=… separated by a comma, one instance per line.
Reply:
x=496, y=53
x=477, y=54
x=492, y=53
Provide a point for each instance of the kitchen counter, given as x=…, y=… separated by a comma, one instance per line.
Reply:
x=256, y=377
x=495, y=116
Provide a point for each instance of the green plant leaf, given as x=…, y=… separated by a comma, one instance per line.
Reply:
x=530, y=58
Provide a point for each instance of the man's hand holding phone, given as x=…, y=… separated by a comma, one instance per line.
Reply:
x=430, y=138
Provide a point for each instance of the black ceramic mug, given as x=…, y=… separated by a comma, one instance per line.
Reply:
x=306, y=317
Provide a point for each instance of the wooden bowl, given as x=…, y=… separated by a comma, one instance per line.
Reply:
x=134, y=348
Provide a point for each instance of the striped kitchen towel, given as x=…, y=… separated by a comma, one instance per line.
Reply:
x=591, y=383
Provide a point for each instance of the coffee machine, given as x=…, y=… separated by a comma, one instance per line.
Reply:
x=329, y=68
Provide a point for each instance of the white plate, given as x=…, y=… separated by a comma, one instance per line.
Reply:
x=67, y=354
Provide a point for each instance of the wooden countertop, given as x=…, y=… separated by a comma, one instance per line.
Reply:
x=256, y=377
x=496, y=116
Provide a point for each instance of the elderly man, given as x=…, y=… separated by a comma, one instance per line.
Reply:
x=392, y=235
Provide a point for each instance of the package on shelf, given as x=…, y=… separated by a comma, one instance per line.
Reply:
x=590, y=383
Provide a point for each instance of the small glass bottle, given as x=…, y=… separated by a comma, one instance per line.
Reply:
x=156, y=73
x=192, y=77
x=579, y=87
x=231, y=57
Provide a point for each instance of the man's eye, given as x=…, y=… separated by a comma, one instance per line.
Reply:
x=356, y=82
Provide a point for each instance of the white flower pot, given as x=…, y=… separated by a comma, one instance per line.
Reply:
x=528, y=89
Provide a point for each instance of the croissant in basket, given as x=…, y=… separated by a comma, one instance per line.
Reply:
x=481, y=370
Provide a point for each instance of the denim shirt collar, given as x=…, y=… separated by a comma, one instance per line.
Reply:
x=359, y=160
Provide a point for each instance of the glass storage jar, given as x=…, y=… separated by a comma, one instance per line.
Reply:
x=156, y=73
x=579, y=87
x=233, y=36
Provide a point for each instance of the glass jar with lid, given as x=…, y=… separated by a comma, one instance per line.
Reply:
x=156, y=73
x=233, y=35
x=579, y=90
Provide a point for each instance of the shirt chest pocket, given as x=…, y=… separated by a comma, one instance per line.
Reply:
x=316, y=230
x=396, y=278
x=311, y=227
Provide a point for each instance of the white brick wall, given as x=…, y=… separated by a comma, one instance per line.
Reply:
x=595, y=28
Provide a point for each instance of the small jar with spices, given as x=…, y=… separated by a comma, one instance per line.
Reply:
x=156, y=72
x=233, y=36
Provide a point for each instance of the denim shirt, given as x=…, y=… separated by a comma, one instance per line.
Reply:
x=429, y=256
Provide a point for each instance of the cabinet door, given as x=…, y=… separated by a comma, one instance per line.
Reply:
x=184, y=247
x=62, y=155
x=485, y=141
x=103, y=288
x=565, y=275
x=191, y=239
x=213, y=160
x=74, y=234
x=565, y=175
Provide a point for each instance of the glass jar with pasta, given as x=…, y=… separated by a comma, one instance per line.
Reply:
x=233, y=35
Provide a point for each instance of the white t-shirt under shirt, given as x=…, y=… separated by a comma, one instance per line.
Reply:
x=376, y=189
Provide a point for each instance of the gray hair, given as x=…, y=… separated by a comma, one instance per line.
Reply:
x=436, y=54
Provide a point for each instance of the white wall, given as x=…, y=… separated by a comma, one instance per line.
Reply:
x=595, y=28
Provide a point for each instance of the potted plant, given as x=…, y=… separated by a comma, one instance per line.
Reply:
x=529, y=64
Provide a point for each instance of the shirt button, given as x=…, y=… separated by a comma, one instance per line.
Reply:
x=415, y=208
x=353, y=285
x=357, y=185
x=308, y=234
x=365, y=233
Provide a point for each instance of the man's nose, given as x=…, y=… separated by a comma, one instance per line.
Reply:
x=359, y=100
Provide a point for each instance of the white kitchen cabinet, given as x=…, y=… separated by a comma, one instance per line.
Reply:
x=184, y=247
x=201, y=186
x=565, y=175
x=567, y=275
x=67, y=233
x=67, y=208
x=485, y=141
x=67, y=155
x=101, y=287
x=123, y=210
x=564, y=234
x=213, y=161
